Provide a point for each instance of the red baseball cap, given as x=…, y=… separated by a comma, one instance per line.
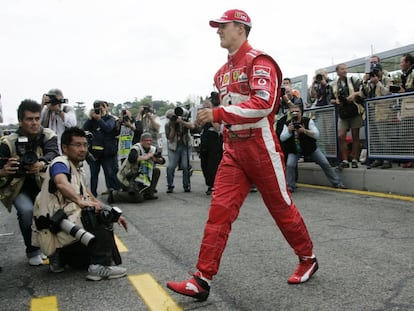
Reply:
x=232, y=16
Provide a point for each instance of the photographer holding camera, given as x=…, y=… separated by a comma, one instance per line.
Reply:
x=177, y=131
x=55, y=115
x=138, y=174
x=320, y=92
x=24, y=155
x=147, y=121
x=345, y=96
x=126, y=129
x=104, y=146
x=299, y=137
x=64, y=193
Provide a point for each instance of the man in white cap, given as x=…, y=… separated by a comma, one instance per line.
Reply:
x=249, y=85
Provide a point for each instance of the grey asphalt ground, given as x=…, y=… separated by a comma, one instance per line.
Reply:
x=364, y=244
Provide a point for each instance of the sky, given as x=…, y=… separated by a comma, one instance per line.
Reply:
x=121, y=50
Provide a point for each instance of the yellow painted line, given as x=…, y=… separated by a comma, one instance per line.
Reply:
x=369, y=193
x=154, y=296
x=121, y=246
x=48, y=303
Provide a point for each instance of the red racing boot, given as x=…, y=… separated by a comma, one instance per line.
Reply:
x=306, y=268
x=194, y=287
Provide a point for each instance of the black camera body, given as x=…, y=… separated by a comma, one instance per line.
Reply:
x=342, y=95
x=319, y=78
x=125, y=117
x=146, y=109
x=27, y=156
x=374, y=73
x=182, y=112
x=107, y=215
x=295, y=120
x=53, y=100
x=215, y=99
x=173, y=118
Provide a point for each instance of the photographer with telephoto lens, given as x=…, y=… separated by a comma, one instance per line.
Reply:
x=65, y=199
x=24, y=156
x=320, y=92
x=55, y=115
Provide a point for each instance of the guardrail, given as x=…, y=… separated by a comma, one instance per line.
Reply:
x=389, y=128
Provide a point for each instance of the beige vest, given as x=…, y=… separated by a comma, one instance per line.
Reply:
x=48, y=203
x=9, y=189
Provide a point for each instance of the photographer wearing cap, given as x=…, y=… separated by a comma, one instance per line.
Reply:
x=24, y=155
x=299, y=137
x=64, y=191
x=55, y=115
x=138, y=174
x=104, y=145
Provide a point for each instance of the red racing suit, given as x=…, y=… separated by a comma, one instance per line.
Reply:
x=249, y=88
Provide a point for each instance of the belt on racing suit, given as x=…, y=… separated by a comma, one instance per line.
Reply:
x=245, y=131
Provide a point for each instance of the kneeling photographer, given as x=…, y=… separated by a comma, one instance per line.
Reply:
x=298, y=138
x=139, y=175
x=70, y=225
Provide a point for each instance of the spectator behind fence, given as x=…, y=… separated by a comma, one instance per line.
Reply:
x=376, y=84
x=407, y=85
x=249, y=98
x=103, y=147
x=211, y=148
x=64, y=196
x=299, y=136
x=24, y=156
x=55, y=115
x=345, y=92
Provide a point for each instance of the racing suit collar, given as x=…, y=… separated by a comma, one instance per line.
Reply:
x=236, y=57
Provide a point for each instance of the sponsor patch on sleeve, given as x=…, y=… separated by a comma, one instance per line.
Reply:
x=263, y=71
x=261, y=83
x=262, y=94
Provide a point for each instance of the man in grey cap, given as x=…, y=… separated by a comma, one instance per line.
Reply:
x=54, y=115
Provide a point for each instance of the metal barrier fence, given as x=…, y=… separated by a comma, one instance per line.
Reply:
x=390, y=127
x=326, y=121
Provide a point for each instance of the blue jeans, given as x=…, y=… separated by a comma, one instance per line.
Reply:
x=110, y=168
x=182, y=152
x=320, y=159
x=24, y=206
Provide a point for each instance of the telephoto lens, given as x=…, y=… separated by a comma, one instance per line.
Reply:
x=85, y=237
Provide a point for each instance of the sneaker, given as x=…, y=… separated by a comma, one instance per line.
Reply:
x=187, y=190
x=253, y=188
x=340, y=186
x=209, y=190
x=36, y=260
x=55, y=263
x=194, y=287
x=342, y=165
x=354, y=164
x=376, y=163
x=386, y=164
x=306, y=268
x=99, y=272
x=170, y=190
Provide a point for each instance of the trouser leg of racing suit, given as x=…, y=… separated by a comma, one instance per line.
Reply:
x=249, y=163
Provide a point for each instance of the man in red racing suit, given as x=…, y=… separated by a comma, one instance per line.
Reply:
x=249, y=88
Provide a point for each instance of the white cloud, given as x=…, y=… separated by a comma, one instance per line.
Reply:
x=121, y=49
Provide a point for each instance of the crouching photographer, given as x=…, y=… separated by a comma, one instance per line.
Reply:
x=24, y=156
x=139, y=175
x=70, y=225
